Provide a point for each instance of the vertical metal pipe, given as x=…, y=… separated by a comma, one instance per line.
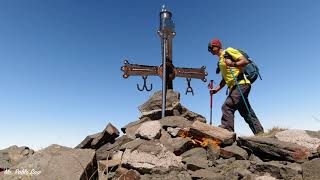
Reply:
x=164, y=77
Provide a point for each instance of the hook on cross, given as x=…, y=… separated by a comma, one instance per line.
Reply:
x=144, y=85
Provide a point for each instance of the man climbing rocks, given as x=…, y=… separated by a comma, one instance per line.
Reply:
x=230, y=63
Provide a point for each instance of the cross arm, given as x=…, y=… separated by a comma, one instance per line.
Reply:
x=198, y=73
x=138, y=70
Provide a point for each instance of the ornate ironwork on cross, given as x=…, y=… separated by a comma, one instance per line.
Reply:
x=166, y=71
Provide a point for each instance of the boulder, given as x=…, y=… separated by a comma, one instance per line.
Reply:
x=58, y=162
x=130, y=175
x=311, y=169
x=175, y=121
x=173, y=131
x=109, y=134
x=200, y=129
x=13, y=155
x=131, y=128
x=176, y=145
x=270, y=148
x=299, y=137
x=95, y=141
x=209, y=173
x=153, y=107
x=107, y=150
x=234, y=151
x=172, y=175
x=149, y=130
x=213, y=153
x=151, y=156
x=280, y=170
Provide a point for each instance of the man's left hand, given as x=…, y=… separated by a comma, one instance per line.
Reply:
x=229, y=62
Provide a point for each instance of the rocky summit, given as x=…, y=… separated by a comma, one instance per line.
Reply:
x=181, y=146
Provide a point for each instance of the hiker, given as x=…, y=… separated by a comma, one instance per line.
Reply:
x=233, y=59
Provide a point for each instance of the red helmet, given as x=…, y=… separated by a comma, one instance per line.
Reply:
x=215, y=42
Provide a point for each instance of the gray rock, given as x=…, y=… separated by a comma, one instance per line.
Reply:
x=109, y=134
x=177, y=145
x=86, y=143
x=286, y=170
x=153, y=107
x=13, y=155
x=130, y=175
x=149, y=130
x=255, y=159
x=209, y=173
x=311, y=169
x=195, y=163
x=107, y=150
x=199, y=129
x=198, y=152
x=270, y=148
x=131, y=128
x=213, y=153
x=172, y=175
x=234, y=151
x=173, y=131
x=175, y=121
x=59, y=162
x=151, y=156
x=300, y=137
x=132, y=144
x=237, y=173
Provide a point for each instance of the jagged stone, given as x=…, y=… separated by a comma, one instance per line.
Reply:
x=149, y=130
x=130, y=175
x=196, y=162
x=213, y=153
x=270, y=148
x=200, y=129
x=151, y=156
x=58, y=162
x=95, y=141
x=86, y=143
x=173, y=131
x=107, y=150
x=237, y=173
x=209, y=173
x=131, y=128
x=177, y=145
x=198, y=152
x=153, y=107
x=286, y=170
x=255, y=159
x=175, y=121
x=172, y=175
x=13, y=155
x=234, y=151
x=132, y=144
x=311, y=169
x=300, y=137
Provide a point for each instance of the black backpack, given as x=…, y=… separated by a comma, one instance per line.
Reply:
x=251, y=70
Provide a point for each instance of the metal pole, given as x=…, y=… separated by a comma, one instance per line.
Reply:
x=164, y=77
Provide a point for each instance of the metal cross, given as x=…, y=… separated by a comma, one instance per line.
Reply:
x=166, y=70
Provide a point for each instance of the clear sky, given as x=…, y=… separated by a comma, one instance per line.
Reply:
x=60, y=77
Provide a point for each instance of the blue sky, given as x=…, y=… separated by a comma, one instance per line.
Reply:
x=60, y=63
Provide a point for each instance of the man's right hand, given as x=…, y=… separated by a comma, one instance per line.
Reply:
x=214, y=91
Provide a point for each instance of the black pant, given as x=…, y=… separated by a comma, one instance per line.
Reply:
x=235, y=102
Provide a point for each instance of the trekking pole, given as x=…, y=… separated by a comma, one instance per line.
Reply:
x=210, y=86
x=238, y=86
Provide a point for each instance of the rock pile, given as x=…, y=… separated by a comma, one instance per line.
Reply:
x=180, y=146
